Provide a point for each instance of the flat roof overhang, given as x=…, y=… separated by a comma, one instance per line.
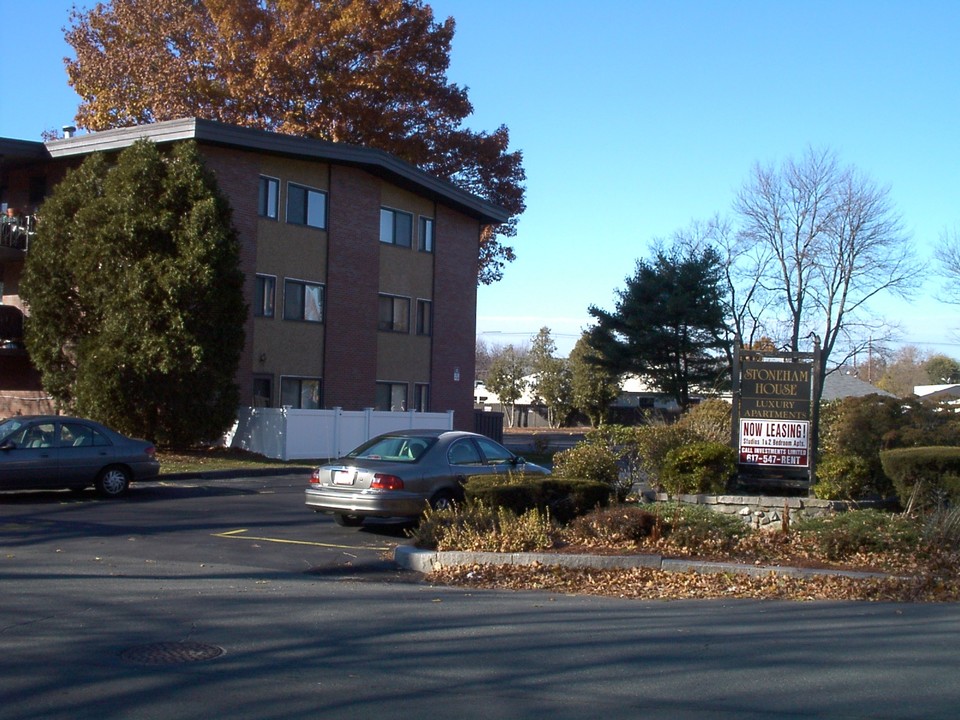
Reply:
x=377, y=162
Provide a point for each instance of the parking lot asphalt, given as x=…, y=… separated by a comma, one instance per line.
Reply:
x=424, y=561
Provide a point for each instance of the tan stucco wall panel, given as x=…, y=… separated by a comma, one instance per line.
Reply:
x=403, y=358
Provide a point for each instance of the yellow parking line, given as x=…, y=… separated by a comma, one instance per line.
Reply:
x=238, y=535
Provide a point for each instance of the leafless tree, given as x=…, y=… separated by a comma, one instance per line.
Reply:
x=745, y=265
x=948, y=255
x=835, y=244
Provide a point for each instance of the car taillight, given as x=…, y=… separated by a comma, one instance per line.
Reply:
x=150, y=450
x=386, y=482
x=315, y=476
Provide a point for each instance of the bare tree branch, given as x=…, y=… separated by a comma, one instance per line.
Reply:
x=835, y=244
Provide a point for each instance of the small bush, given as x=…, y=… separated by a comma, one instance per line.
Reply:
x=591, y=461
x=844, y=535
x=477, y=527
x=622, y=524
x=842, y=477
x=435, y=524
x=621, y=441
x=654, y=443
x=940, y=530
x=698, y=530
x=924, y=477
x=587, y=461
x=565, y=498
x=704, y=467
x=709, y=421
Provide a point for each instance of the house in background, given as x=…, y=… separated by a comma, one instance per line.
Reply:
x=949, y=393
x=361, y=270
x=838, y=385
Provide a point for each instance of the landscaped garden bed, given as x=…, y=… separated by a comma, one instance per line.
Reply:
x=917, y=557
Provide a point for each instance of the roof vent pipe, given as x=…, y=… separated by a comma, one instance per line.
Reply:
x=69, y=131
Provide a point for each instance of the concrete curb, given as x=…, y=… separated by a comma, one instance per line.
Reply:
x=427, y=561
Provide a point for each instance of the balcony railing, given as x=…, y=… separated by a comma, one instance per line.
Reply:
x=17, y=232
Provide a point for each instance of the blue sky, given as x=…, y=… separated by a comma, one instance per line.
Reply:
x=636, y=118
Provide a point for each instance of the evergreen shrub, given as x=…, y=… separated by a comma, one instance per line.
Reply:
x=842, y=477
x=564, y=498
x=847, y=534
x=924, y=477
x=655, y=442
x=591, y=461
x=702, y=467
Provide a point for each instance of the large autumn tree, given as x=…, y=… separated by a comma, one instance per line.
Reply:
x=365, y=72
x=135, y=293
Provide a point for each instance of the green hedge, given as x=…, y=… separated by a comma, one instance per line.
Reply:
x=592, y=461
x=701, y=467
x=565, y=498
x=842, y=477
x=927, y=476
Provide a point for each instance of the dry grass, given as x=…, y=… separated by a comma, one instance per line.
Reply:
x=218, y=458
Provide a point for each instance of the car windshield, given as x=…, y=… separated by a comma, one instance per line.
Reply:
x=393, y=448
x=11, y=425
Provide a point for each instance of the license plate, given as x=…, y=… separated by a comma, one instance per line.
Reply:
x=343, y=477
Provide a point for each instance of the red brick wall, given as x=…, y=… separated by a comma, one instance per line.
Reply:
x=455, y=316
x=20, y=390
x=353, y=279
x=237, y=175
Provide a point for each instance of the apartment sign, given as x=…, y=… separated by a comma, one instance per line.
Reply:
x=774, y=417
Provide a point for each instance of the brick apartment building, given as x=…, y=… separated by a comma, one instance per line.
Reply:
x=360, y=268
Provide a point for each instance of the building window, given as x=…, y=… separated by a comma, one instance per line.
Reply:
x=306, y=206
x=269, y=199
x=394, y=314
x=262, y=391
x=264, y=296
x=426, y=234
x=396, y=228
x=302, y=301
x=421, y=397
x=424, y=317
x=300, y=393
x=391, y=396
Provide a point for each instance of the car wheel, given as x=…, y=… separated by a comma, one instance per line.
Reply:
x=348, y=520
x=443, y=500
x=113, y=482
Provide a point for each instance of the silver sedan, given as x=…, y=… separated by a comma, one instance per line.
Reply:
x=399, y=473
x=52, y=451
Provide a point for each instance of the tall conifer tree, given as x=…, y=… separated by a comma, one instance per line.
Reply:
x=136, y=296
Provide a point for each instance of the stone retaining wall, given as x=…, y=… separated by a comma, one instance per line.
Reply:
x=765, y=512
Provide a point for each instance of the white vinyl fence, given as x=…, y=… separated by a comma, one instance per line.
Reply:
x=289, y=434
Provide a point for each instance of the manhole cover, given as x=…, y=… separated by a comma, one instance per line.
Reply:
x=170, y=653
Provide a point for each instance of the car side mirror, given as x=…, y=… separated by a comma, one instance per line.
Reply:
x=8, y=445
x=518, y=460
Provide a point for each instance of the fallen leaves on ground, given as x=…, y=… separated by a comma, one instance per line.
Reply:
x=912, y=559
x=649, y=584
